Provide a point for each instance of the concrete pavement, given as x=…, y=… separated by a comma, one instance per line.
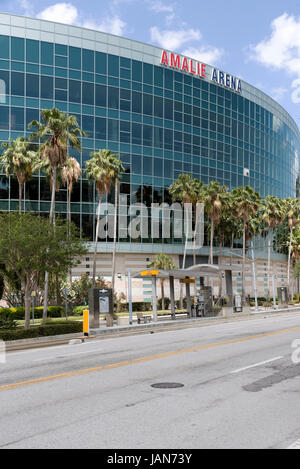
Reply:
x=241, y=390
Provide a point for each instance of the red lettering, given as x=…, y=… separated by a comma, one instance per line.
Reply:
x=164, y=58
x=198, y=68
x=191, y=69
x=185, y=65
x=175, y=60
x=203, y=71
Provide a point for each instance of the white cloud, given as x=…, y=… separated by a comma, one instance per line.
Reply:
x=159, y=7
x=61, y=13
x=206, y=54
x=67, y=13
x=173, y=40
x=278, y=93
x=282, y=48
x=113, y=25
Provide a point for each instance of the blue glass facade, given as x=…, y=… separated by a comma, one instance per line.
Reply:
x=160, y=121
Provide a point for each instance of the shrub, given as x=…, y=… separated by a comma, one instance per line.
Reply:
x=56, y=328
x=6, y=321
x=167, y=303
x=78, y=310
x=18, y=314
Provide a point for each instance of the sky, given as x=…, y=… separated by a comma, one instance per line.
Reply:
x=256, y=40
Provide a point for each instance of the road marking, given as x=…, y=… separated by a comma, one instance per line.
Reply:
x=256, y=364
x=295, y=445
x=143, y=359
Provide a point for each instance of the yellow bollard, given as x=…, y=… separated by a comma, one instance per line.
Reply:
x=86, y=322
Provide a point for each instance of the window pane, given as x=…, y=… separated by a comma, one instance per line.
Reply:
x=74, y=91
x=32, y=51
x=113, y=97
x=101, y=63
x=4, y=47
x=88, y=93
x=17, y=48
x=100, y=128
x=136, y=102
x=32, y=85
x=113, y=65
x=17, y=119
x=88, y=125
x=100, y=95
x=113, y=129
x=88, y=60
x=147, y=104
x=47, y=53
x=17, y=83
x=75, y=58
x=47, y=87
x=4, y=117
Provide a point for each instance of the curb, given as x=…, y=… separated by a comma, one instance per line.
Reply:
x=117, y=331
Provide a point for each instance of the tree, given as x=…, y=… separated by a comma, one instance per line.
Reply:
x=272, y=214
x=70, y=174
x=56, y=132
x=30, y=246
x=246, y=203
x=214, y=199
x=292, y=212
x=104, y=168
x=163, y=262
x=19, y=161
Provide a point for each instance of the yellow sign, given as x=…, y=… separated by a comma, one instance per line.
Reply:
x=189, y=280
x=145, y=273
x=86, y=325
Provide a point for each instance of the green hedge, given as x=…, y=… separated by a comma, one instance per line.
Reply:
x=66, y=327
x=18, y=314
x=78, y=310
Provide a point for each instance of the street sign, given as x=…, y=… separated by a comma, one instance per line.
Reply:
x=189, y=280
x=150, y=273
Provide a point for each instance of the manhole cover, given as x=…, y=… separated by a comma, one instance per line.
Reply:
x=167, y=385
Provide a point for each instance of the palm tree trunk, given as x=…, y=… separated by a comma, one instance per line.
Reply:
x=162, y=287
x=52, y=218
x=211, y=258
x=220, y=273
x=115, y=237
x=184, y=259
x=96, y=241
x=289, y=260
x=269, y=263
x=231, y=248
x=243, y=267
x=69, y=191
x=27, y=305
x=20, y=196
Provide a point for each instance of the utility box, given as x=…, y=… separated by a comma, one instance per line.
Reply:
x=283, y=297
x=100, y=302
x=204, y=302
x=238, y=304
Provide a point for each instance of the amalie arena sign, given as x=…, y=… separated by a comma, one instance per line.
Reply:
x=169, y=59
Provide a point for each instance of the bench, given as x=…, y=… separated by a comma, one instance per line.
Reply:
x=142, y=318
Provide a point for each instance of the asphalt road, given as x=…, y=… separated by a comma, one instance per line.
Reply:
x=240, y=389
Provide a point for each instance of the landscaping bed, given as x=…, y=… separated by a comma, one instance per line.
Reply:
x=43, y=330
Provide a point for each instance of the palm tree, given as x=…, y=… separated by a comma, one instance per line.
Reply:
x=19, y=161
x=186, y=191
x=292, y=212
x=70, y=173
x=247, y=203
x=163, y=262
x=272, y=215
x=214, y=199
x=56, y=132
x=104, y=168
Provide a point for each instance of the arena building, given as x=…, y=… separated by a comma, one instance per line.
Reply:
x=163, y=113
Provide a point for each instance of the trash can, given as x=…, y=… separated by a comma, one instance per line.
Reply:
x=238, y=304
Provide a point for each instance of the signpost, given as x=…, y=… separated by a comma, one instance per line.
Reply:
x=33, y=295
x=65, y=292
x=86, y=322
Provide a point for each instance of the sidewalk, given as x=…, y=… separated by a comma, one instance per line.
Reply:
x=161, y=324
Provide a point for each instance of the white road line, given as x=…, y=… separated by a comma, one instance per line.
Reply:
x=295, y=445
x=256, y=364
